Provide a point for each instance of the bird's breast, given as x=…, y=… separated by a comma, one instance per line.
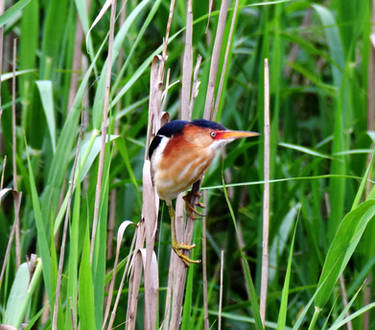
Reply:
x=176, y=165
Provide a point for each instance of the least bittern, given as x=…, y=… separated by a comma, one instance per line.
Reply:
x=180, y=154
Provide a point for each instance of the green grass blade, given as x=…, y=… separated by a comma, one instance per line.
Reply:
x=346, y=309
x=304, y=150
x=245, y=319
x=342, y=247
x=353, y=316
x=15, y=309
x=362, y=186
x=45, y=90
x=86, y=306
x=90, y=152
x=60, y=161
x=84, y=19
x=72, y=285
x=117, y=44
x=140, y=35
x=281, y=321
x=186, y=322
x=249, y=281
x=11, y=12
x=42, y=242
x=279, y=243
x=334, y=41
x=99, y=256
x=54, y=28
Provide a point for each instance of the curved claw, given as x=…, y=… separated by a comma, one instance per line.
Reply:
x=177, y=248
x=190, y=207
x=191, y=210
x=201, y=205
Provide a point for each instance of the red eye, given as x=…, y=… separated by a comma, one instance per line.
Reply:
x=213, y=134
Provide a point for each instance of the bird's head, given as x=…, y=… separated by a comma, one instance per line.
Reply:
x=208, y=134
x=202, y=134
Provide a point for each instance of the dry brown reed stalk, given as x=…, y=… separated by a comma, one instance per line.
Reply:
x=14, y=155
x=103, y=128
x=210, y=96
x=371, y=77
x=147, y=226
x=204, y=265
x=111, y=218
x=177, y=269
x=113, y=194
x=63, y=240
x=223, y=70
x=2, y=6
x=184, y=232
x=17, y=200
x=120, y=234
x=187, y=63
x=210, y=3
x=370, y=127
x=122, y=282
x=167, y=31
x=2, y=177
x=221, y=287
x=266, y=195
x=76, y=65
x=71, y=310
x=196, y=83
x=349, y=325
x=150, y=207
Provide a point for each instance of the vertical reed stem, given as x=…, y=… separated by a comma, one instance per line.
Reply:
x=370, y=127
x=266, y=196
x=14, y=151
x=210, y=96
x=204, y=264
x=104, y=128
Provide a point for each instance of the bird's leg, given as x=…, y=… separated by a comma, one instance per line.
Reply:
x=178, y=247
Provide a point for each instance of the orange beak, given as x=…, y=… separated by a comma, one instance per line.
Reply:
x=228, y=135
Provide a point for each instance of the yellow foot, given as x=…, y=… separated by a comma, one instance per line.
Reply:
x=185, y=259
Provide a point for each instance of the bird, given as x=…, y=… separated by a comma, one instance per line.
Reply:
x=180, y=153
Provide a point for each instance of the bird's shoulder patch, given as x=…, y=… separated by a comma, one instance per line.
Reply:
x=153, y=145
